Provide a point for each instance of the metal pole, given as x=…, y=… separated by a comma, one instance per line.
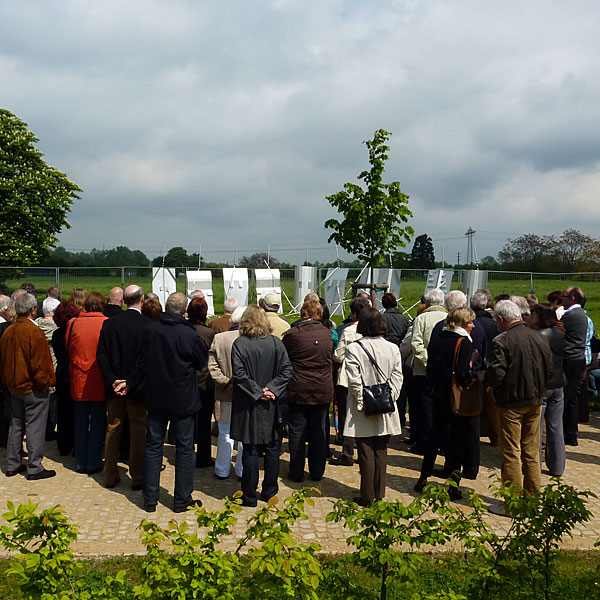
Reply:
x=57, y=277
x=123, y=277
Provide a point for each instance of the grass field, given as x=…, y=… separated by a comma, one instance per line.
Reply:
x=411, y=289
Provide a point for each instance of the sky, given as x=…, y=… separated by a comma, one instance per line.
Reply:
x=224, y=125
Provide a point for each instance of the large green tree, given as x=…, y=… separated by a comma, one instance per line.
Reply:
x=372, y=225
x=34, y=197
x=422, y=255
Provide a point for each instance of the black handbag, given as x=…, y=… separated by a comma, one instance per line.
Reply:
x=377, y=399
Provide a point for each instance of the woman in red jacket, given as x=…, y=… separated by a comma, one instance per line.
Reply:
x=87, y=385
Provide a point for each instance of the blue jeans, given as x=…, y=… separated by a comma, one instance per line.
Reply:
x=593, y=381
x=182, y=430
x=90, y=426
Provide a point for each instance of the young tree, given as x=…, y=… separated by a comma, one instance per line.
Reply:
x=372, y=224
x=34, y=197
x=422, y=255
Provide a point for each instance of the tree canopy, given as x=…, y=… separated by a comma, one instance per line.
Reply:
x=371, y=227
x=35, y=198
x=422, y=255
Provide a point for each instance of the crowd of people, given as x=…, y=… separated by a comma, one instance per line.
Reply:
x=114, y=379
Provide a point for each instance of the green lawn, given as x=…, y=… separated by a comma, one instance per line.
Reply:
x=411, y=290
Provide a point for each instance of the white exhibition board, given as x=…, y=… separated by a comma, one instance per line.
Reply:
x=163, y=283
x=305, y=282
x=381, y=276
x=201, y=280
x=440, y=279
x=268, y=281
x=474, y=280
x=335, y=288
x=235, y=282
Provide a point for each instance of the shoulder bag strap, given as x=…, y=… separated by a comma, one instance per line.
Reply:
x=372, y=360
x=456, y=349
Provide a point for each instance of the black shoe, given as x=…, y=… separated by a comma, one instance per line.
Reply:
x=203, y=464
x=442, y=473
x=455, y=493
x=421, y=482
x=341, y=461
x=191, y=504
x=45, y=474
x=110, y=486
x=296, y=479
x=149, y=507
x=19, y=469
x=264, y=498
x=417, y=449
x=358, y=500
x=94, y=471
x=136, y=487
x=571, y=441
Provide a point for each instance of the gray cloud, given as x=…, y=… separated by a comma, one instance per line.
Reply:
x=229, y=123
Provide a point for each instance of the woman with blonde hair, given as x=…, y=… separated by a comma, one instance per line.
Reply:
x=77, y=297
x=450, y=353
x=261, y=372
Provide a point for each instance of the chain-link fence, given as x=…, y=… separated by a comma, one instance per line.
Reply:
x=412, y=284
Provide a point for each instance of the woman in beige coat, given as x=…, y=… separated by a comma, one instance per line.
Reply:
x=372, y=433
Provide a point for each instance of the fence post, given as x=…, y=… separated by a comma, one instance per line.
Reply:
x=123, y=277
x=531, y=283
x=57, y=277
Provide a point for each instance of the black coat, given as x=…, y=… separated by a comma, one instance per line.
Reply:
x=257, y=363
x=397, y=325
x=112, y=310
x=556, y=339
x=171, y=354
x=485, y=319
x=120, y=343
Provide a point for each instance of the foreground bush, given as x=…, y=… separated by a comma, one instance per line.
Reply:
x=269, y=563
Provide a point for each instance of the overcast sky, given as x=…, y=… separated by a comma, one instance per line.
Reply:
x=226, y=124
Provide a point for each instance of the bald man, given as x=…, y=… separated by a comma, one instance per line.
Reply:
x=118, y=348
x=114, y=306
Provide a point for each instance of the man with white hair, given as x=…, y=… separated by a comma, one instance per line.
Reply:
x=26, y=370
x=221, y=324
x=519, y=372
x=423, y=325
x=114, y=306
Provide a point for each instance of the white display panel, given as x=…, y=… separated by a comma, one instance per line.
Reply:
x=201, y=280
x=163, y=283
x=473, y=281
x=268, y=281
x=305, y=282
x=235, y=282
x=335, y=288
x=381, y=276
x=440, y=279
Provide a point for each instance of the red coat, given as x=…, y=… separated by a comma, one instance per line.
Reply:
x=81, y=337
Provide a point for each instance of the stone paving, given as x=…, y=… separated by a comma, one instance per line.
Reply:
x=108, y=519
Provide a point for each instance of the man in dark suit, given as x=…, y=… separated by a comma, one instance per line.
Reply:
x=120, y=342
x=114, y=306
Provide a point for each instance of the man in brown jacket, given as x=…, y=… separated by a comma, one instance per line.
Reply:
x=519, y=372
x=27, y=372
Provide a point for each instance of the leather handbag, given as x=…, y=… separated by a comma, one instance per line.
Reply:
x=467, y=400
x=377, y=399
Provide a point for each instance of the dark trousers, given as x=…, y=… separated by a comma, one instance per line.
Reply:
x=583, y=398
x=307, y=425
x=250, y=457
x=423, y=412
x=341, y=394
x=182, y=430
x=372, y=460
x=90, y=428
x=65, y=419
x=203, y=423
x=572, y=369
x=5, y=412
x=117, y=409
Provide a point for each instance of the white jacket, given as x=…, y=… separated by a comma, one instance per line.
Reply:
x=349, y=335
x=360, y=369
x=422, y=327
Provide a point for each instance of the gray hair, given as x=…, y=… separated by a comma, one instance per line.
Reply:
x=508, y=310
x=176, y=303
x=522, y=304
x=230, y=305
x=196, y=294
x=434, y=297
x=49, y=306
x=5, y=303
x=237, y=314
x=24, y=304
x=479, y=300
x=455, y=299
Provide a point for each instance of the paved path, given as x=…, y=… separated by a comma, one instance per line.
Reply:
x=108, y=519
